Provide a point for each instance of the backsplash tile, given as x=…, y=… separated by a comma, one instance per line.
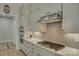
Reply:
x=56, y=35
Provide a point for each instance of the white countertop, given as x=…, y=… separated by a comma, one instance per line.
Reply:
x=67, y=51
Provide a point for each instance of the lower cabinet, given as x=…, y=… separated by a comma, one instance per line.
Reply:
x=39, y=51
x=33, y=50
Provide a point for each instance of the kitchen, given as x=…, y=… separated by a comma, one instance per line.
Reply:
x=50, y=24
x=45, y=29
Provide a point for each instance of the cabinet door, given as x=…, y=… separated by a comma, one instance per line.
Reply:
x=43, y=52
x=24, y=48
x=33, y=50
x=30, y=48
x=27, y=46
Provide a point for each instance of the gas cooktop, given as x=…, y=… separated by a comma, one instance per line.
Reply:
x=51, y=45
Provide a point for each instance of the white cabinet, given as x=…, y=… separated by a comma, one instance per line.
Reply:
x=42, y=52
x=26, y=47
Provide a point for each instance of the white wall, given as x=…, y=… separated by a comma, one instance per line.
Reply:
x=14, y=8
x=71, y=17
x=70, y=24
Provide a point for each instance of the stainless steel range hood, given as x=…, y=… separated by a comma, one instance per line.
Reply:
x=54, y=17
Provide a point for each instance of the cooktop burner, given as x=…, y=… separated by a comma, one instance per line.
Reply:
x=51, y=45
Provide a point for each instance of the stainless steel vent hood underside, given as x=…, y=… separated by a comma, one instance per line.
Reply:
x=54, y=17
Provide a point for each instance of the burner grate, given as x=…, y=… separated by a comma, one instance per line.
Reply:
x=51, y=45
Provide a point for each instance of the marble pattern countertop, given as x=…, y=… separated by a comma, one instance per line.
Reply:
x=67, y=51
